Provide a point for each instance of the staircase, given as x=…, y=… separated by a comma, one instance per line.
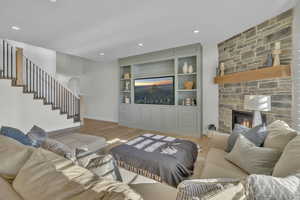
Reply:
x=34, y=80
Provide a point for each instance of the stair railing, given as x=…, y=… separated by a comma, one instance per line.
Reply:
x=37, y=81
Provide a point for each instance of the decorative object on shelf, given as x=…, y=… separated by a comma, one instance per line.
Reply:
x=188, y=102
x=185, y=68
x=276, y=54
x=217, y=71
x=127, y=100
x=127, y=75
x=127, y=85
x=269, y=60
x=188, y=85
x=191, y=69
x=257, y=103
x=222, y=69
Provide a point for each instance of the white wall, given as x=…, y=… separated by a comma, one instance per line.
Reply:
x=44, y=58
x=100, y=86
x=21, y=111
x=296, y=67
x=210, y=90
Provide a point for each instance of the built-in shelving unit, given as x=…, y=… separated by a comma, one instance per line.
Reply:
x=184, y=117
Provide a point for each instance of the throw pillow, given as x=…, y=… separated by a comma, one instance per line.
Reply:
x=289, y=162
x=37, y=134
x=17, y=135
x=253, y=159
x=268, y=187
x=13, y=156
x=279, y=135
x=256, y=135
x=58, y=148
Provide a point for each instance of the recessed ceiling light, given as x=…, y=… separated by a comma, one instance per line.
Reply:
x=52, y=1
x=102, y=54
x=140, y=44
x=16, y=28
x=196, y=31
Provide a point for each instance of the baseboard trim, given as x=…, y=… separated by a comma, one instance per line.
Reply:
x=100, y=120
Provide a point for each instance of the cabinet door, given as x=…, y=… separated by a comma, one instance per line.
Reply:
x=125, y=115
x=187, y=121
x=168, y=119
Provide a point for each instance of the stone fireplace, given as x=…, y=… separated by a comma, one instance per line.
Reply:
x=248, y=51
x=244, y=118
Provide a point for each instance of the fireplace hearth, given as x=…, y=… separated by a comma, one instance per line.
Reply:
x=244, y=118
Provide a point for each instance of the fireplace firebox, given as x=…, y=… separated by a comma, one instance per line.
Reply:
x=244, y=118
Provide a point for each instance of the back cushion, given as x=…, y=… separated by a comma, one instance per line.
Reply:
x=13, y=156
x=48, y=176
x=279, y=135
x=17, y=135
x=289, y=162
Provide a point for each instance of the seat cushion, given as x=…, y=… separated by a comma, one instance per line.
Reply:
x=216, y=166
x=289, y=161
x=13, y=156
x=7, y=192
x=48, y=176
x=155, y=191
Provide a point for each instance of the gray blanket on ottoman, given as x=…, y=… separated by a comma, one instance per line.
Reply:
x=162, y=158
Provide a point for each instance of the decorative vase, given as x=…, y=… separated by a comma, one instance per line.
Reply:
x=222, y=69
x=188, y=102
x=185, y=68
x=269, y=60
x=127, y=75
x=191, y=69
x=127, y=100
x=127, y=85
x=188, y=85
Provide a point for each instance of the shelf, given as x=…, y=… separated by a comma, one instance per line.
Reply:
x=183, y=90
x=153, y=76
x=187, y=74
x=125, y=79
x=126, y=91
x=258, y=74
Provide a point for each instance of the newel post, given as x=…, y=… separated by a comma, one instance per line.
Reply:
x=19, y=66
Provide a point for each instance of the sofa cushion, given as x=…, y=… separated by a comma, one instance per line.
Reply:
x=216, y=166
x=256, y=135
x=289, y=162
x=7, y=192
x=17, y=135
x=253, y=159
x=13, y=156
x=279, y=135
x=157, y=191
x=48, y=176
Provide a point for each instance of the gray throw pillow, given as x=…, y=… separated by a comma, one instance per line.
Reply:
x=58, y=148
x=256, y=135
x=253, y=159
x=269, y=187
x=37, y=134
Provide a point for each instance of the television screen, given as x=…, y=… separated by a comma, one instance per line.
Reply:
x=154, y=91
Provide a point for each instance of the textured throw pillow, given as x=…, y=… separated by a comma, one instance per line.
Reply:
x=267, y=187
x=253, y=159
x=17, y=135
x=279, y=135
x=289, y=162
x=256, y=135
x=37, y=134
x=58, y=148
x=13, y=156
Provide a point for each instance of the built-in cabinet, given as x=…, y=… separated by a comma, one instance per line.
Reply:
x=182, y=118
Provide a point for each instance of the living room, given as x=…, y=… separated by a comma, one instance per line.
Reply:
x=110, y=100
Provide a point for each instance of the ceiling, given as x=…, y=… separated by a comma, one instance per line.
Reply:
x=87, y=27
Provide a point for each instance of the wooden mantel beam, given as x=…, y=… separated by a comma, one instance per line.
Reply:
x=253, y=75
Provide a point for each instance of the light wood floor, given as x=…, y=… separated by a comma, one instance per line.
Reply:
x=116, y=134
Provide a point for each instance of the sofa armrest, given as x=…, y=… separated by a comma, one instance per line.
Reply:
x=218, y=140
x=203, y=188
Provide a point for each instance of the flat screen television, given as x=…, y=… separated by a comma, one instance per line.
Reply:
x=154, y=90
